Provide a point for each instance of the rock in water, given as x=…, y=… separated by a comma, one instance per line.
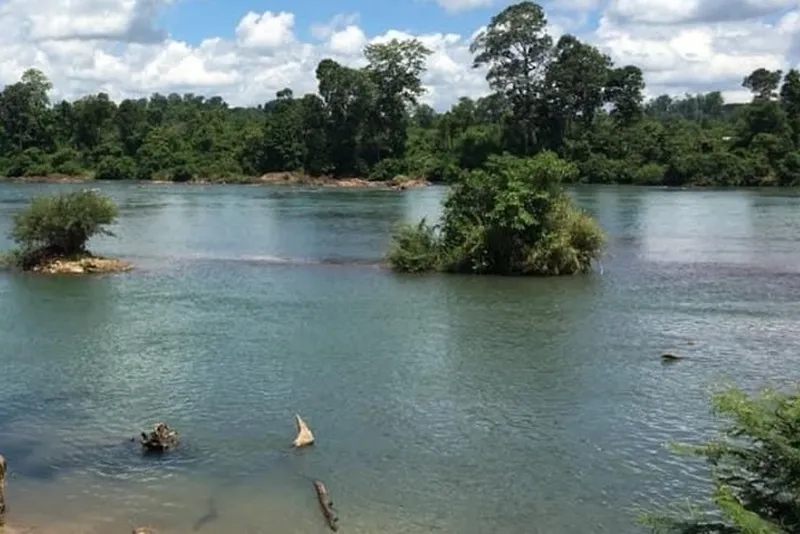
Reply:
x=304, y=436
x=162, y=438
x=671, y=357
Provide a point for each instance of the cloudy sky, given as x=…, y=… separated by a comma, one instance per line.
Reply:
x=246, y=50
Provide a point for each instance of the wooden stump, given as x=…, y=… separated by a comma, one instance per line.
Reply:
x=304, y=436
x=162, y=438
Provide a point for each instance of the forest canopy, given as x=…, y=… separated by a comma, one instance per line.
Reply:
x=560, y=95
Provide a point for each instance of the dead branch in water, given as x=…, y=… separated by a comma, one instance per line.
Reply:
x=3, y=469
x=327, y=506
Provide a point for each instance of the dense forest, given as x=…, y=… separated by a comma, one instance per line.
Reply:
x=561, y=95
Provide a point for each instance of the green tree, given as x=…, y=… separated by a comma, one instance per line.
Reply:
x=625, y=93
x=395, y=69
x=755, y=469
x=515, y=46
x=60, y=226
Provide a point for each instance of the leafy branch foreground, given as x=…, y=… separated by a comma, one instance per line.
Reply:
x=58, y=227
x=512, y=218
x=755, y=469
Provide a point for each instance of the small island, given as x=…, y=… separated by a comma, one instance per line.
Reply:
x=514, y=218
x=52, y=234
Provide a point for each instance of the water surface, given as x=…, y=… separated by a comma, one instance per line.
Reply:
x=440, y=403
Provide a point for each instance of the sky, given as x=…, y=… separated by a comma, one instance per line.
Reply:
x=247, y=50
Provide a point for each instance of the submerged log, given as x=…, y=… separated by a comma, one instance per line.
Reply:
x=162, y=438
x=326, y=504
x=3, y=468
x=304, y=436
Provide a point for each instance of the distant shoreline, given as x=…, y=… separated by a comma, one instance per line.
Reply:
x=278, y=178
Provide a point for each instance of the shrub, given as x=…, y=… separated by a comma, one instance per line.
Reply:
x=755, y=469
x=60, y=225
x=414, y=248
x=512, y=218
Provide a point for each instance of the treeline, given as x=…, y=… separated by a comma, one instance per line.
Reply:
x=564, y=96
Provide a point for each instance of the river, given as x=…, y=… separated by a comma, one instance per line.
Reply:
x=450, y=404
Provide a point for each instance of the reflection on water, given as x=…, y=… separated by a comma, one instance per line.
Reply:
x=440, y=403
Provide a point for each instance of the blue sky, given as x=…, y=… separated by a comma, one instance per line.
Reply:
x=131, y=48
x=192, y=20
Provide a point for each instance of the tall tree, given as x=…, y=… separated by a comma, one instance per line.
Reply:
x=763, y=83
x=625, y=93
x=516, y=47
x=573, y=88
x=395, y=69
x=790, y=101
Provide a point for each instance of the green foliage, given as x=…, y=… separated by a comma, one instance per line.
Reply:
x=60, y=225
x=755, y=469
x=513, y=218
x=563, y=95
x=116, y=168
x=415, y=248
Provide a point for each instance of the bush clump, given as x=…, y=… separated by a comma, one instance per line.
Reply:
x=60, y=226
x=511, y=217
x=755, y=469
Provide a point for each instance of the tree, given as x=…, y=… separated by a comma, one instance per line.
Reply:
x=23, y=112
x=763, y=83
x=790, y=101
x=516, y=47
x=573, y=88
x=512, y=218
x=348, y=95
x=755, y=468
x=624, y=93
x=395, y=69
x=60, y=226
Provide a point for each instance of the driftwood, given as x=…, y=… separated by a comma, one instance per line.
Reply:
x=160, y=439
x=304, y=436
x=3, y=469
x=326, y=504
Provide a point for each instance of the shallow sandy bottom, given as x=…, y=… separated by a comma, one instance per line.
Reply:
x=190, y=507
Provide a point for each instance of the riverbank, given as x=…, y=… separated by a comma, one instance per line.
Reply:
x=398, y=183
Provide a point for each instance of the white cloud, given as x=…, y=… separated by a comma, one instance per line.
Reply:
x=678, y=58
x=265, y=31
x=349, y=42
x=86, y=46
x=685, y=11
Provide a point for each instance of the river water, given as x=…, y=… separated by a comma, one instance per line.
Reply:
x=440, y=403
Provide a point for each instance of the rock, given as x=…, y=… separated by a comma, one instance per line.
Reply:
x=162, y=438
x=89, y=264
x=304, y=436
x=671, y=357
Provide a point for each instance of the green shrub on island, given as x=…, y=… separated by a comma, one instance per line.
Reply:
x=59, y=227
x=513, y=218
x=755, y=469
